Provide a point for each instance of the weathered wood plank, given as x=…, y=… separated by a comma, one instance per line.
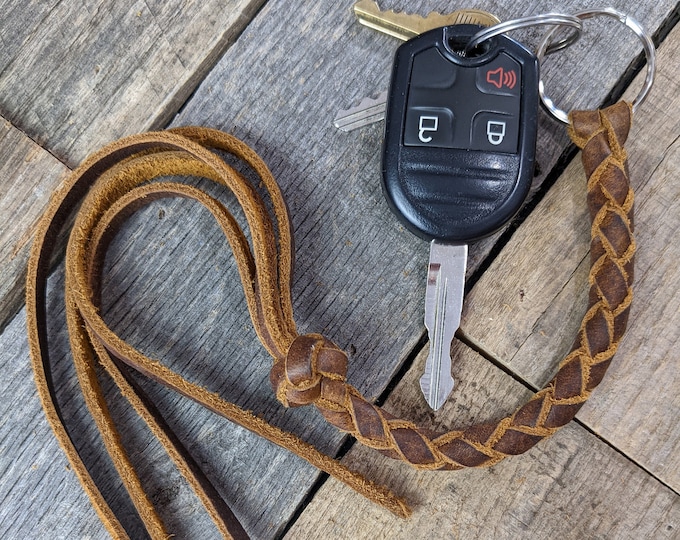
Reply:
x=35, y=473
x=526, y=309
x=359, y=277
x=570, y=486
x=74, y=76
x=256, y=478
x=29, y=175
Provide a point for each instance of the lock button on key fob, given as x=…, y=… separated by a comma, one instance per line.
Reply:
x=460, y=134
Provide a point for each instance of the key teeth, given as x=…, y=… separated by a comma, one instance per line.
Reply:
x=368, y=101
x=431, y=14
x=349, y=119
x=404, y=26
x=374, y=9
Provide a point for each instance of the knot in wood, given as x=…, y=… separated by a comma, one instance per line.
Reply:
x=311, y=361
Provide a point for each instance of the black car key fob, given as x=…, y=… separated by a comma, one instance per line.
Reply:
x=460, y=133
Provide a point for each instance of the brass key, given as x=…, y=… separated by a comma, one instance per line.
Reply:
x=407, y=25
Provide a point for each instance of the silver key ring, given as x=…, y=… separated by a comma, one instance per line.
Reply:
x=547, y=47
x=550, y=19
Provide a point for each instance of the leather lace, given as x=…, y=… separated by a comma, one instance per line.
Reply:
x=308, y=369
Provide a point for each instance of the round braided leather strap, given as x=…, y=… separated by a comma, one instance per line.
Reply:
x=307, y=369
x=314, y=369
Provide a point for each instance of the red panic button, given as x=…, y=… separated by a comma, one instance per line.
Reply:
x=500, y=77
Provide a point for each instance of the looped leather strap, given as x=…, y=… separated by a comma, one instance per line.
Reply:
x=307, y=369
x=116, y=178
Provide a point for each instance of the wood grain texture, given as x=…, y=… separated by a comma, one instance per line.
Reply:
x=39, y=494
x=74, y=76
x=172, y=289
x=29, y=175
x=250, y=473
x=526, y=309
x=571, y=486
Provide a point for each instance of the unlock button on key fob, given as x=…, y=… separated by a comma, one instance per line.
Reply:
x=429, y=126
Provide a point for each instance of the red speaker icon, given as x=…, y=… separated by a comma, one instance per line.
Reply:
x=500, y=78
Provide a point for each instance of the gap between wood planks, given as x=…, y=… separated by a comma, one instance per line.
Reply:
x=183, y=95
x=569, y=153
x=48, y=151
x=211, y=61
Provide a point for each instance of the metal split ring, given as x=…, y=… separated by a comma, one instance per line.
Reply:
x=547, y=47
x=549, y=19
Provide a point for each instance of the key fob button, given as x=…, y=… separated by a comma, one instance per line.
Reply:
x=500, y=77
x=431, y=70
x=495, y=132
x=429, y=126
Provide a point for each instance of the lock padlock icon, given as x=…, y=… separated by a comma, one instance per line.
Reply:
x=495, y=132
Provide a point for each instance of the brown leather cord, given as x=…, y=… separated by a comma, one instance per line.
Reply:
x=307, y=369
x=116, y=174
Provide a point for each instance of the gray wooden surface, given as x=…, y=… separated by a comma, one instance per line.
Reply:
x=72, y=79
x=572, y=486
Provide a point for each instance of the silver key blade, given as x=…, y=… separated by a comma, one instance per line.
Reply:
x=443, y=306
x=368, y=111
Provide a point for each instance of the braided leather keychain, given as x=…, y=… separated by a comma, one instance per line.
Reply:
x=307, y=369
